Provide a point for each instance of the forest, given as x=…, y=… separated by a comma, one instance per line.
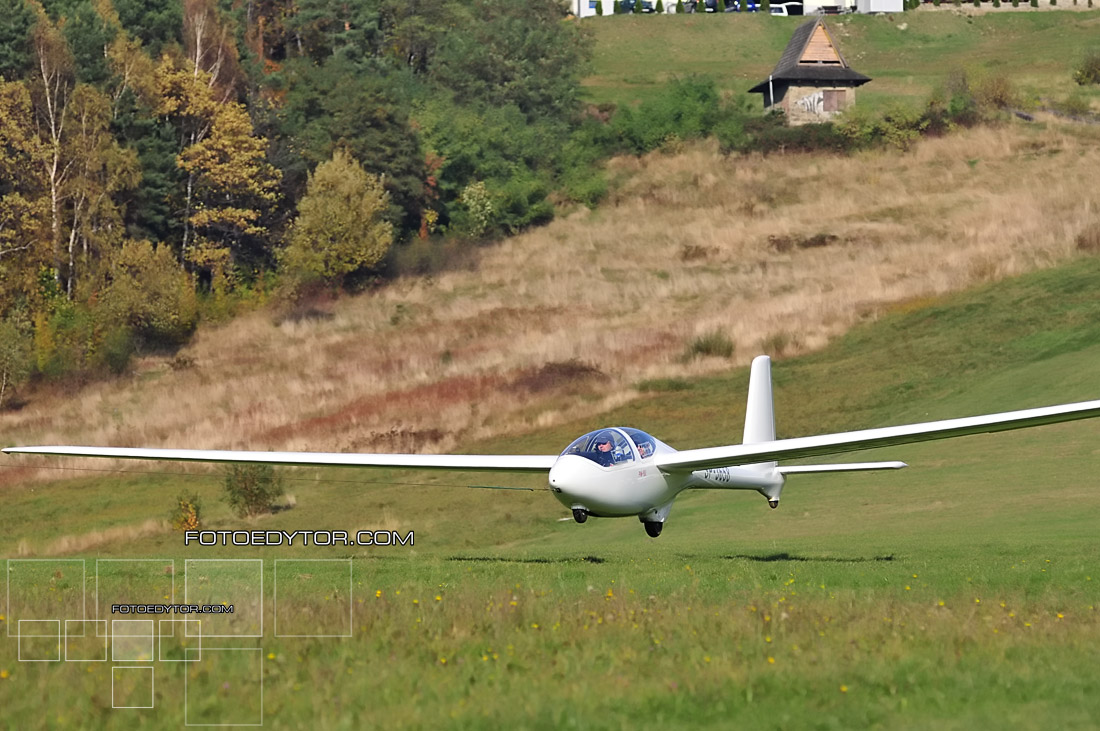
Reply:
x=166, y=161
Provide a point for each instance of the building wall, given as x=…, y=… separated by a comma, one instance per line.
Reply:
x=809, y=7
x=806, y=104
x=879, y=6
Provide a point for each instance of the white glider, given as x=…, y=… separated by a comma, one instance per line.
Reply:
x=620, y=472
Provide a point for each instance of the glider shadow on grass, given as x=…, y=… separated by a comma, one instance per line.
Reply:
x=503, y=559
x=775, y=557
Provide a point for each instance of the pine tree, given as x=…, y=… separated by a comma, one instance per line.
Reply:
x=16, y=21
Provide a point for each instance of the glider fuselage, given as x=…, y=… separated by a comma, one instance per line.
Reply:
x=625, y=480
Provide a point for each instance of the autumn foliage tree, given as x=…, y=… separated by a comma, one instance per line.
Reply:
x=228, y=176
x=24, y=243
x=340, y=226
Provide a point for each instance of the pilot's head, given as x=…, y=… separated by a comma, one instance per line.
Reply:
x=603, y=442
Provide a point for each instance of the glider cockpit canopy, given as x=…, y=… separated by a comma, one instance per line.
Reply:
x=627, y=445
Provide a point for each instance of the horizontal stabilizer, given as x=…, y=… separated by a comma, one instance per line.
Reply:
x=850, y=467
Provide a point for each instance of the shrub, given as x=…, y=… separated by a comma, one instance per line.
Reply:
x=977, y=3
x=996, y=3
x=478, y=202
x=63, y=339
x=898, y=127
x=187, y=513
x=251, y=489
x=117, y=349
x=1015, y=3
x=936, y=3
x=659, y=8
x=151, y=294
x=599, y=8
x=995, y=92
x=687, y=108
x=1089, y=70
x=1034, y=3
x=1074, y=105
x=616, y=8
x=715, y=343
x=780, y=343
x=679, y=7
x=341, y=224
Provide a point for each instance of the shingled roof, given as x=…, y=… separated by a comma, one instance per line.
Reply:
x=820, y=61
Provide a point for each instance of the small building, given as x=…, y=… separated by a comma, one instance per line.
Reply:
x=812, y=81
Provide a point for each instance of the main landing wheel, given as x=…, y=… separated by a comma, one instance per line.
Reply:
x=653, y=528
x=580, y=515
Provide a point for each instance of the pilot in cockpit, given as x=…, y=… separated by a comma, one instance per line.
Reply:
x=605, y=455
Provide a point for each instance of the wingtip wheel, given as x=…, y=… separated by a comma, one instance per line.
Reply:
x=580, y=515
x=653, y=528
x=773, y=504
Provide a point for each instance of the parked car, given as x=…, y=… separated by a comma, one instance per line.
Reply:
x=778, y=10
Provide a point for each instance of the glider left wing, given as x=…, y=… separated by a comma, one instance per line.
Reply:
x=455, y=462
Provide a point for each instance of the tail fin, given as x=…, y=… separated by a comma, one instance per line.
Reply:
x=759, y=411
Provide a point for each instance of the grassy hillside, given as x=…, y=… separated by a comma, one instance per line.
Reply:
x=778, y=255
x=960, y=592
x=907, y=55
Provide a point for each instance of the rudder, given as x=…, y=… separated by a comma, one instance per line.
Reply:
x=760, y=411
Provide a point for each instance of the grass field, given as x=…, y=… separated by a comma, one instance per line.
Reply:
x=959, y=593
x=907, y=55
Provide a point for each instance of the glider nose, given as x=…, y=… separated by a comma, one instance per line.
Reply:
x=567, y=475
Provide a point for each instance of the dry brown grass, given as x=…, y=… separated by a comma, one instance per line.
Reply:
x=686, y=245
x=69, y=545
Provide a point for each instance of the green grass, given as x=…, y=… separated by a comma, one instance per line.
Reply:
x=958, y=593
x=1037, y=51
